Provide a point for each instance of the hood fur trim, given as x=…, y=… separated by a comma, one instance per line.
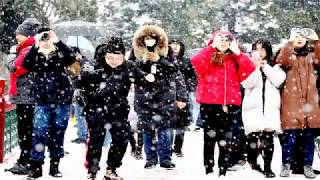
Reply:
x=138, y=45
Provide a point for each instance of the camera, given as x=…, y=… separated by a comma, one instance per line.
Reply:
x=227, y=38
x=45, y=37
x=302, y=31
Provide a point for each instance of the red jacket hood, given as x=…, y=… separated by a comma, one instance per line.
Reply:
x=26, y=43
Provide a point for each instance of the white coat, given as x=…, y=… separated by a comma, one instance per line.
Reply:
x=257, y=115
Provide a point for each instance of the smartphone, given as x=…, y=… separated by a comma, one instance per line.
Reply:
x=255, y=55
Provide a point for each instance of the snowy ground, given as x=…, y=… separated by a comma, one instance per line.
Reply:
x=189, y=167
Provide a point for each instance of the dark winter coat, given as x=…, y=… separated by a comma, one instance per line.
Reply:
x=184, y=115
x=20, y=79
x=51, y=82
x=86, y=66
x=105, y=89
x=155, y=103
x=186, y=68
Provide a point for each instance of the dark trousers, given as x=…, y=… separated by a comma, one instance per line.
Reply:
x=25, y=118
x=289, y=145
x=119, y=130
x=239, y=150
x=178, y=139
x=136, y=145
x=266, y=148
x=219, y=128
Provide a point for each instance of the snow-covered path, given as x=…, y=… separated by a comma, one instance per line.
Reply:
x=189, y=167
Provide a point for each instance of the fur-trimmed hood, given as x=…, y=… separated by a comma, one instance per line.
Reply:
x=140, y=50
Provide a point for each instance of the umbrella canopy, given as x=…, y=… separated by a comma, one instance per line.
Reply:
x=82, y=43
x=77, y=28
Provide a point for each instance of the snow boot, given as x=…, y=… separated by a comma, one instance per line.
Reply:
x=308, y=172
x=54, y=168
x=222, y=171
x=268, y=172
x=178, y=153
x=285, y=170
x=19, y=169
x=256, y=167
x=92, y=175
x=137, y=154
x=167, y=165
x=111, y=174
x=36, y=170
x=209, y=170
x=150, y=165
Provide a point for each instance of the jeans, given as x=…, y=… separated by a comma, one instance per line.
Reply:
x=81, y=122
x=158, y=150
x=195, y=107
x=49, y=125
x=289, y=143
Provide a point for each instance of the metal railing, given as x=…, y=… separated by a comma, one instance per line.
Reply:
x=8, y=125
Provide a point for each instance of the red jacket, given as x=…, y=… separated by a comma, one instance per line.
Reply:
x=220, y=84
x=22, y=51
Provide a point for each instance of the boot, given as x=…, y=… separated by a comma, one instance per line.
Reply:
x=92, y=175
x=178, y=153
x=222, y=171
x=285, y=170
x=36, y=170
x=19, y=169
x=167, y=164
x=111, y=174
x=308, y=172
x=268, y=172
x=137, y=154
x=150, y=165
x=54, y=168
x=209, y=170
x=267, y=153
x=256, y=167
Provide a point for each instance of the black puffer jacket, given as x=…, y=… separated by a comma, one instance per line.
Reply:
x=105, y=89
x=155, y=103
x=185, y=68
x=51, y=83
x=184, y=115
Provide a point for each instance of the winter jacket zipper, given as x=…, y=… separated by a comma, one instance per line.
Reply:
x=224, y=106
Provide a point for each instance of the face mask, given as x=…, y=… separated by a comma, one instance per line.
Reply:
x=150, y=42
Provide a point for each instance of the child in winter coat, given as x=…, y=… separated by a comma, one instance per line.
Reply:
x=220, y=68
x=106, y=106
x=299, y=98
x=261, y=106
